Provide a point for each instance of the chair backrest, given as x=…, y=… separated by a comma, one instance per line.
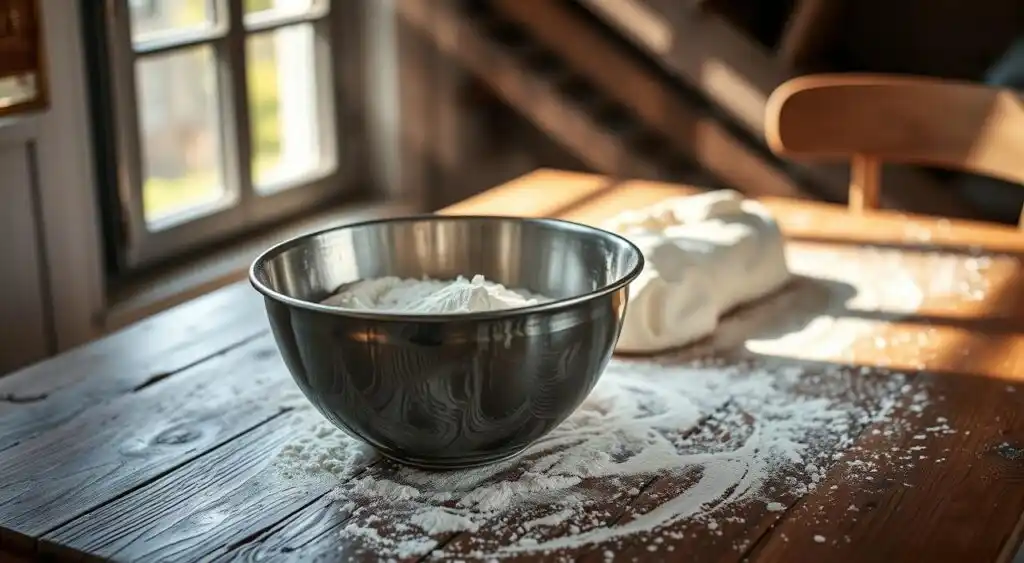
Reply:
x=872, y=119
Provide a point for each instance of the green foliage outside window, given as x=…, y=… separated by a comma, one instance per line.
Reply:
x=161, y=195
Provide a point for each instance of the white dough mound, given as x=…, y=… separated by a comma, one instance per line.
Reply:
x=705, y=254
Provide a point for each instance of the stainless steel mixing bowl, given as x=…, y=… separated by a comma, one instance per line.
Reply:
x=452, y=390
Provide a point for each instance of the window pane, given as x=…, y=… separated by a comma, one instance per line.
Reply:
x=155, y=17
x=283, y=6
x=180, y=133
x=284, y=113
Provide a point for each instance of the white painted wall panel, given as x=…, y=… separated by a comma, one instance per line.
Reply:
x=23, y=319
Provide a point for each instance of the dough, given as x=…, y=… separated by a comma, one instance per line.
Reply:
x=706, y=254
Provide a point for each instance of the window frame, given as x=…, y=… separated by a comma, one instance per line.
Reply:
x=246, y=208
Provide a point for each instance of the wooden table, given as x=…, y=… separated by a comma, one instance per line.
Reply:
x=155, y=443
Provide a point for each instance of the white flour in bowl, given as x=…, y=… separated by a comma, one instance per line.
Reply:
x=428, y=296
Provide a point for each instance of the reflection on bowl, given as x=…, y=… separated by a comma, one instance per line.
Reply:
x=449, y=390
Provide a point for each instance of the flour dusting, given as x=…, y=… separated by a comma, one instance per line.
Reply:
x=428, y=296
x=665, y=448
x=832, y=330
x=730, y=429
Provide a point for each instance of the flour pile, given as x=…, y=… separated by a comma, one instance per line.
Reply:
x=427, y=296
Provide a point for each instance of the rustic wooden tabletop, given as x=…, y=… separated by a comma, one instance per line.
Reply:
x=158, y=443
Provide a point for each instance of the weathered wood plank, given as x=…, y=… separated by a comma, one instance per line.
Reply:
x=960, y=501
x=114, y=448
x=534, y=97
x=703, y=138
x=314, y=533
x=52, y=392
x=203, y=507
x=308, y=534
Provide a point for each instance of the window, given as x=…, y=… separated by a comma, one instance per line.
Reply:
x=223, y=115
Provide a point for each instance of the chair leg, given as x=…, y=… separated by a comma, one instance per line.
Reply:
x=865, y=183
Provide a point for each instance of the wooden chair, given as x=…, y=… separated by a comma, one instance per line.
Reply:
x=872, y=119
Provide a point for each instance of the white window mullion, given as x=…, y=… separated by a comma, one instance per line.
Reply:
x=329, y=75
x=235, y=104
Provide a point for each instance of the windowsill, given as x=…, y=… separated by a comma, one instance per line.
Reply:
x=135, y=300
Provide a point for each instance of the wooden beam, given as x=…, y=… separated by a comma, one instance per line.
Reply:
x=738, y=75
x=533, y=96
x=598, y=60
x=447, y=144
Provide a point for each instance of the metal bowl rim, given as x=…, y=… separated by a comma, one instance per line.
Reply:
x=548, y=307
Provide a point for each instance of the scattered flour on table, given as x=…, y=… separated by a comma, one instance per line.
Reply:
x=758, y=432
x=743, y=433
x=428, y=296
x=831, y=331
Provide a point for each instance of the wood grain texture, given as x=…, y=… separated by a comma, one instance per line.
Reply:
x=314, y=533
x=68, y=471
x=213, y=503
x=962, y=505
x=44, y=395
x=309, y=534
